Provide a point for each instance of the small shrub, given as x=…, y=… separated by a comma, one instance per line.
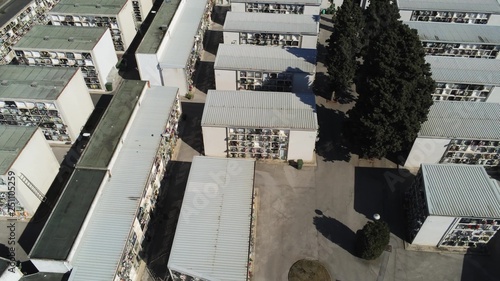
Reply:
x=372, y=240
x=189, y=95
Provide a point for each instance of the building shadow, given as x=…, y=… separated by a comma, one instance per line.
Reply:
x=211, y=41
x=204, y=76
x=327, y=18
x=28, y=238
x=336, y=232
x=322, y=86
x=482, y=267
x=380, y=191
x=326, y=27
x=4, y=251
x=219, y=14
x=161, y=228
x=331, y=145
x=190, y=125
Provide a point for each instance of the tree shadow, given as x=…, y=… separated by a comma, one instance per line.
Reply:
x=336, y=232
x=161, y=228
x=380, y=191
x=331, y=145
x=321, y=86
x=322, y=53
x=482, y=266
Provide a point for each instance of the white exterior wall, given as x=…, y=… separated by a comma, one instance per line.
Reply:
x=75, y=105
x=52, y=266
x=238, y=7
x=126, y=24
x=309, y=42
x=175, y=77
x=231, y=37
x=214, y=141
x=405, y=15
x=432, y=230
x=38, y=163
x=311, y=10
x=426, y=150
x=146, y=6
x=147, y=65
x=494, y=95
x=104, y=57
x=302, y=82
x=225, y=80
x=494, y=20
x=301, y=145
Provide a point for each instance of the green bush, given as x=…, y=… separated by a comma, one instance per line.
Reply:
x=372, y=240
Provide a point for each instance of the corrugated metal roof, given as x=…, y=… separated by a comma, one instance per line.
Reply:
x=460, y=191
x=465, y=70
x=50, y=37
x=19, y=79
x=279, y=23
x=12, y=141
x=303, y=2
x=480, y=6
x=11, y=8
x=254, y=109
x=456, y=33
x=250, y=57
x=462, y=120
x=212, y=235
x=101, y=247
x=181, y=40
x=88, y=7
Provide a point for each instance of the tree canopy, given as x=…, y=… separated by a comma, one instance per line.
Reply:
x=372, y=240
x=344, y=45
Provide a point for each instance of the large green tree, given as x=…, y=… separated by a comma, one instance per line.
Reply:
x=344, y=45
x=372, y=240
x=379, y=16
x=394, y=93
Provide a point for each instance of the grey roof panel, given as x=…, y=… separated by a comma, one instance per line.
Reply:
x=480, y=6
x=88, y=7
x=10, y=8
x=465, y=70
x=279, y=23
x=50, y=81
x=181, y=40
x=460, y=191
x=106, y=136
x=13, y=139
x=250, y=57
x=456, y=33
x=104, y=238
x=156, y=31
x=462, y=120
x=212, y=241
x=50, y=37
x=62, y=228
x=254, y=109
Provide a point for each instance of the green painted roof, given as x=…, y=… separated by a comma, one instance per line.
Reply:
x=12, y=141
x=89, y=7
x=107, y=135
x=50, y=37
x=156, y=31
x=62, y=228
x=33, y=83
x=10, y=8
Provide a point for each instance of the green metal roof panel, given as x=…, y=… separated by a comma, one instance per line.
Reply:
x=10, y=8
x=156, y=31
x=106, y=136
x=481, y=6
x=460, y=191
x=50, y=37
x=88, y=7
x=12, y=141
x=62, y=228
x=456, y=33
x=37, y=83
